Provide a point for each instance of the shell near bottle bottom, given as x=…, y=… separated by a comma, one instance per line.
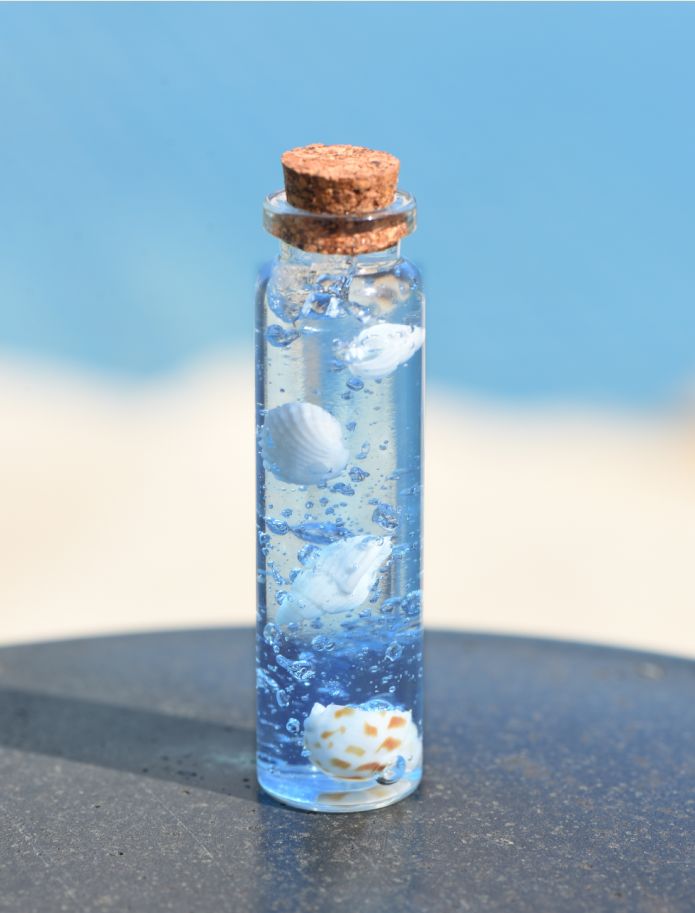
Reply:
x=314, y=791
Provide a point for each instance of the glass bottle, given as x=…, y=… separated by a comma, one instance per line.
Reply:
x=339, y=359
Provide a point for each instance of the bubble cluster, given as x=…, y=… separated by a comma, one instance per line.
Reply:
x=412, y=603
x=307, y=554
x=385, y=516
x=272, y=633
x=320, y=533
x=299, y=669
x=321, y=643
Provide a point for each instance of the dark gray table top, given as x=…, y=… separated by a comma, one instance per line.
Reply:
x=558, y=778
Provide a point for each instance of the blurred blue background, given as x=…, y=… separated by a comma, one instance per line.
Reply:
x=551, y=148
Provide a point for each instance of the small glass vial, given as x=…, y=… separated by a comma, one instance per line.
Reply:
x=339, y=381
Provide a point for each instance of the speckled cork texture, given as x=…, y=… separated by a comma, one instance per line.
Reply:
x=342, y=181
x=339, y=179
x=339, y=237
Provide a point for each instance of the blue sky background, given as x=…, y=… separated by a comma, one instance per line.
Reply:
x=551, y=149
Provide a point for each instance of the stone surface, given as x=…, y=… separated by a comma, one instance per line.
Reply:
x=558, y=778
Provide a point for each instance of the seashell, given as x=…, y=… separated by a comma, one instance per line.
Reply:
x=338, y=579
x=303, y=444
x=378, y=350
x=353, y=743
x=367, y=797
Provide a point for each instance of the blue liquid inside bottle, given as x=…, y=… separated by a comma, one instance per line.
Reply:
x=339, y=358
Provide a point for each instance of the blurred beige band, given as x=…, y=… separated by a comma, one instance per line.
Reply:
x=129, y=508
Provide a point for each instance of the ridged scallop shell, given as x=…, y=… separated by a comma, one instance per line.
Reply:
x=378, y=350
x=338, y=579
x=303, y=444
x=353, y=743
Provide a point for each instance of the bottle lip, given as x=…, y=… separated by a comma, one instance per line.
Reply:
x=332, y=233
x=275, y=204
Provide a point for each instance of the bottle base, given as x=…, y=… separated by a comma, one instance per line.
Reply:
x=315, y=792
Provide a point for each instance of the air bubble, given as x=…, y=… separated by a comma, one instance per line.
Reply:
x=412, y=603
x=389, y=606
x=377, y=703
x=357, y=474
x=393, y=773
x=293, y=725
x=394, y=652
x=385, y=516
x=280, y=337
x=322, y=304
x=342, y=489
x=282, y=698
x=279, y=527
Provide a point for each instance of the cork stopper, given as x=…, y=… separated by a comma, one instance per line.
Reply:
x=340, y=200
x=339, y=179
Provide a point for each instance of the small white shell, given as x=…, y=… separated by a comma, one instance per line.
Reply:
x=377, y=351
x=352, y=743
x=338, y=579
x=303, y=444
x=368, y=796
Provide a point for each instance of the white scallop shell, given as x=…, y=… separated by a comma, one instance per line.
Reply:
x=378, y=350
x=338, y=579
x=352, y=743
x=303, y=444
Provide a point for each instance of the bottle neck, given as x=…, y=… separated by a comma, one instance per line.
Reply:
x=373, y=261
x=349, y=235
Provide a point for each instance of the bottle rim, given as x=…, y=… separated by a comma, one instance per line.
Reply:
x=403, y=205
x=334, y=233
